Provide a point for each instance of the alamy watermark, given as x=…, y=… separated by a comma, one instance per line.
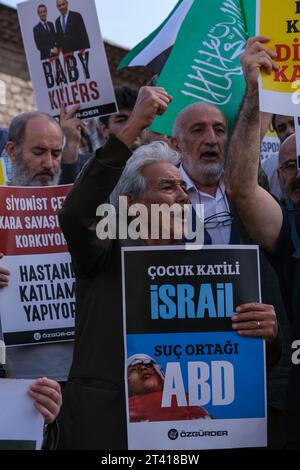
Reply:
x=156, y=222
x=296, y=353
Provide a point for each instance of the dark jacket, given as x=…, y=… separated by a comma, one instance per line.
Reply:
x=93, y=412
x=75, y=37
x=44, y=40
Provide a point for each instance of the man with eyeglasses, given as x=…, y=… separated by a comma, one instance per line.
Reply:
x=274, y=227
x=288, y=173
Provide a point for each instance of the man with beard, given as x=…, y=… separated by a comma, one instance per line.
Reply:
x=275, y=228
x=284, y=126
x=288, y=173
x=200, y=135
x=34, y=145
x=96, y=379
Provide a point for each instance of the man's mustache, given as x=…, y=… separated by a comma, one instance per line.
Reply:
x=44, y=173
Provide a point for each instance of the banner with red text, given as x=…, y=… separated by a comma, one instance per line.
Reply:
x=66, y=57
x=38, y=305
x=279, y=91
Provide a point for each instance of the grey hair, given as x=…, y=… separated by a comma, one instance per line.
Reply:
x=17, y=128
x=132, y=181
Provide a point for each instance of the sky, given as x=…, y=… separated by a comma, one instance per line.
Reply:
x=126, y=22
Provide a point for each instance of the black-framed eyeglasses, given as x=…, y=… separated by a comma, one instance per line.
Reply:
x=220, y=219
x=290, y=167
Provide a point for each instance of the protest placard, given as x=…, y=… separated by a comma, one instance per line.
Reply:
x=191, y=381
x=279, y=91
x=21, y=425
x=66, y=57
x=38, y=305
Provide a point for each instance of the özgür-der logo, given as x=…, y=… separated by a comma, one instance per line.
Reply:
x=173, y=434
x=37, y=336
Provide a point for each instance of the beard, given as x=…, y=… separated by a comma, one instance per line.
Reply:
x=291, y=191
x=294, y=197
x=208, y=173
x=21, y=176
x=204, y=173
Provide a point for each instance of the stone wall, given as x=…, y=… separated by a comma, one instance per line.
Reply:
x=16, y=91
x=16, y=94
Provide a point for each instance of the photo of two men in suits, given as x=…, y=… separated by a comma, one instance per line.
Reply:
x=44, y=35
x=68, y=35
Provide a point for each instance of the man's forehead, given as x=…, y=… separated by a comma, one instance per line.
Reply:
x=42, y=122
x=161, y=170
x=288, y=149
x=42, y=126
x=203, y=114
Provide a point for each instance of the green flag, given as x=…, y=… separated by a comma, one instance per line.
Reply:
x=204, y=64
x=249, y=15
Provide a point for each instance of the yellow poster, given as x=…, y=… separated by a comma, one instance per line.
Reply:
x=2, y=172
x=280, y=21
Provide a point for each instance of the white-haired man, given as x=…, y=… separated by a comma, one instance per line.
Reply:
x=96, y=378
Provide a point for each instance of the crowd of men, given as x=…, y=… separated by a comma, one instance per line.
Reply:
x=187, y=167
